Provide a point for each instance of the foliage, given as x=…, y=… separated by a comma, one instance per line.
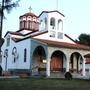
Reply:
x=68, y=75
x=9, y=5
x=84, y=39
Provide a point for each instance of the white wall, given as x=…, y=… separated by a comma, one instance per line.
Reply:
x=46, y=36
x=19, y=64
x=57, y=16
x=42, y=26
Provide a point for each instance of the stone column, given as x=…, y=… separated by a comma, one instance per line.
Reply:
x=48, y=68
x=83, y=72
x=79, y=64
x=74, y=62
x=67, y=64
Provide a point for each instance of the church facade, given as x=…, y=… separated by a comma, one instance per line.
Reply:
x=40, y=47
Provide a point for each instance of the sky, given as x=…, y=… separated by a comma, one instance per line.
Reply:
x=77, y=14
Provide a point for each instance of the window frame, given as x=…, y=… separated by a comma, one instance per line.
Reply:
x=25, y=55
x=52, y=21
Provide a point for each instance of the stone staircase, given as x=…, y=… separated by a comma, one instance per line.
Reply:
x=57, y=75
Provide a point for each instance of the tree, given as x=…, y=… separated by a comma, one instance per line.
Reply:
x=84, y=39
x=7, y=5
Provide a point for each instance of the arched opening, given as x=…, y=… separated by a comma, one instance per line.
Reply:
x=57, y=63
x=60, y=25
x=39, y=61
x=76, y=62
x=52, y=22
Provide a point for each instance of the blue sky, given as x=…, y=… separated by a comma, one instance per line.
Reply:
x=77, y=14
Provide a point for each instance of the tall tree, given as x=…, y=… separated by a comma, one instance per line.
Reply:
x=7, y=5
x=84, y=39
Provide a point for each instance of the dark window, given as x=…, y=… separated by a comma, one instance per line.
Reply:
x=25, y=55
x=25, y=24
x=52, y=21
x=8, y=40
x=60, y=24
x=29, y=24
x=14, y=53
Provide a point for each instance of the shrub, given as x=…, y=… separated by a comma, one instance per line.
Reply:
x=68, y=75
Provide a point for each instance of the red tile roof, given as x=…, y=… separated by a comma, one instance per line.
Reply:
x=53, y=43
x=31, y=35
x=14, y=33
x=65, y=44
x=29, y=14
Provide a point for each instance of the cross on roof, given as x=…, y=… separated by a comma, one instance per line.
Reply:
x=30, y=8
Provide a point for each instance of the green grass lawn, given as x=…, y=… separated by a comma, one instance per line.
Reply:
x=43, y=84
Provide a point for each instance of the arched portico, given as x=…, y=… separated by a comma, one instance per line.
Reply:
x=38, y=60
x=65, y=60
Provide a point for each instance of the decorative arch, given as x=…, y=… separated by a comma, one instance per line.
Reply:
x=39, y=50
x=38, y=60
x=52, y=22
x=60, y=25
x=57, y=63
x=76, y=60
x=14, y=54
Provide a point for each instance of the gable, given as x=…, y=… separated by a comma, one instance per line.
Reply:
x=51, y=12
x=45, y=36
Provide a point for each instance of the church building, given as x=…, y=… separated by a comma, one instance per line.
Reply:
x=40, y=47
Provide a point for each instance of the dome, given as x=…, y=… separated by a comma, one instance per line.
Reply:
x=29, y=14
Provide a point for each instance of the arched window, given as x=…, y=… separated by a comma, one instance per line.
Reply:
x=45, y=20
x=8, y=40
x=14, y=53
x=25, y=24
x=6, y=53
x=25, y=55
x=52, y=22
x=22, y=24
x=60, y=25
x=28, y=24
